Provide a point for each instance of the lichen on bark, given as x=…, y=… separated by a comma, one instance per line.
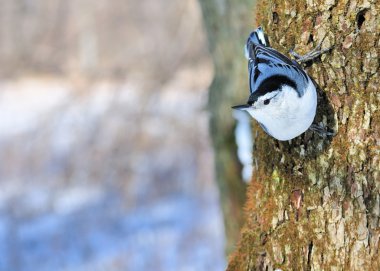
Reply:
x=314, y=203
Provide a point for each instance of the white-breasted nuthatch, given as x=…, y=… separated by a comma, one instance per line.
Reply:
x=283, y=98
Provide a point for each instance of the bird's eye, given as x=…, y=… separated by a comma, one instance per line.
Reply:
x=267, y=101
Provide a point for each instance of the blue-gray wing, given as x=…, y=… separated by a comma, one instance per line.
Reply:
x=269, y=69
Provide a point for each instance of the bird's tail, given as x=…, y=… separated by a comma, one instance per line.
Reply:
x=257, y=37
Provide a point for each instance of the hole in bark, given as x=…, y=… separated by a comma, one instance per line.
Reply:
x=311, y=39
x=360, y=18
x=275, y=17
x=277, y=144
x=310, y=249
x=263, y=238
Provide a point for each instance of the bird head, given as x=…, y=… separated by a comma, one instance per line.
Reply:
x=282, y=112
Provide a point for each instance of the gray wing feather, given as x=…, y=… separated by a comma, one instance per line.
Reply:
x=267, y=63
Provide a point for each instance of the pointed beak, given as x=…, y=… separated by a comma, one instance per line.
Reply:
x=241, y=107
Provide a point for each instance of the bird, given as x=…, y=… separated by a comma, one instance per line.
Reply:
x=282, y=96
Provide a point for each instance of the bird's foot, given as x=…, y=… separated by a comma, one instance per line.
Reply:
x=310, y=56
x=321, y=131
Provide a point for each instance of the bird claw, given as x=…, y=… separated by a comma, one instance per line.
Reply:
x=320, y=130
x=310, y=56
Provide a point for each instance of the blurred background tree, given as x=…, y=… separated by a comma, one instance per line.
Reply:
x=228, y=24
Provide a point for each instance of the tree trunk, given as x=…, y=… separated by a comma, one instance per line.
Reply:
x=314, y=203
x=227, y=27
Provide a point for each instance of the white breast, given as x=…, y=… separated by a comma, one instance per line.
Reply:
x=291, y=116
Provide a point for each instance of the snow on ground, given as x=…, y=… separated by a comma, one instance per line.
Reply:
x=109, y=179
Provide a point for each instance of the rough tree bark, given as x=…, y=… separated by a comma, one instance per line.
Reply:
x=314, y=203
x=227, y=24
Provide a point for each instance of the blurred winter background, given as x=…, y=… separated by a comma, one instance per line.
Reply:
x=105, y=156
